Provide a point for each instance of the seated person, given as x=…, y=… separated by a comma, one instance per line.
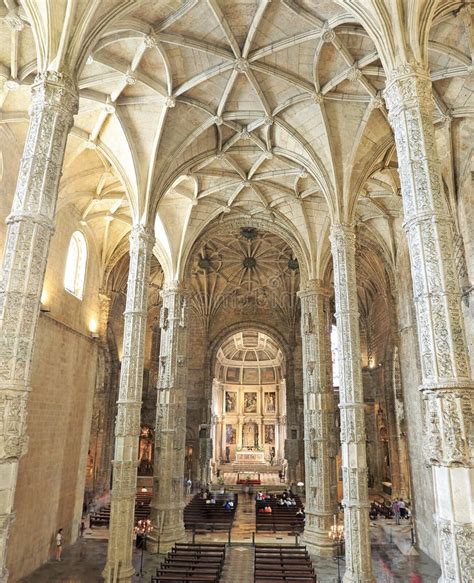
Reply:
x=281, y=502
x=373, y=512
x=268, y=509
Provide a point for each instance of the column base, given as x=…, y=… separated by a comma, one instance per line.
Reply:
x=351, y=578
x=318, y=543
x=123, y=573
x=166, y=540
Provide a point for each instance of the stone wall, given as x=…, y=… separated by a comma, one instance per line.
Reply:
x=51, y=475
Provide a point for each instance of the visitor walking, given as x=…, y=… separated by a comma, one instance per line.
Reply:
x=59, y=544
x=396, y=510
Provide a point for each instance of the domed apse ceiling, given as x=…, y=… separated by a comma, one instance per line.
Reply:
x=249, y=357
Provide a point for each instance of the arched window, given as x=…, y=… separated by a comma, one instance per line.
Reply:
x=75, y=273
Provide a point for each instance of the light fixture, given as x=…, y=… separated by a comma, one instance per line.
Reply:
x=44, y=301
x=336, y=534
x=143, y=529
x=93, y=328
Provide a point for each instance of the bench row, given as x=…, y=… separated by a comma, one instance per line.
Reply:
x=192, y=562
x=282, y=563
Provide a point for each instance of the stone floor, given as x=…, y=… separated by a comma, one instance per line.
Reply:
x=83, y=561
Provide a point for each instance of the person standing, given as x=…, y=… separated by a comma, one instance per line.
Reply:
x=396, y=510
x=189, y=485
x=59, y=544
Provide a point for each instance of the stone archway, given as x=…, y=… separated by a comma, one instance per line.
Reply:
x=248, y=406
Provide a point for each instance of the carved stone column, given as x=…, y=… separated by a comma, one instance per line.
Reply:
x=54, y=102
x=293, y=436
x=354, y=457
x=127, y=426
x=170, y=434
x=320, y=454
x=101, y=435
x=447, y=386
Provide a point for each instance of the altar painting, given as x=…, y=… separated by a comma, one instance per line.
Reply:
x=230, y=435
x=250, y=402
x=269, y=434
x=270, y=406
x=230, y=401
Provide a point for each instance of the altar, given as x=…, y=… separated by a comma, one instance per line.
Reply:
x=246, y=456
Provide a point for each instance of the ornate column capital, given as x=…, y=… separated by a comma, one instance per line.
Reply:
x=313, y=287
x=342, y=235
x=407, y=86
x=56, y=90
x=174, y=287
x=141, y=234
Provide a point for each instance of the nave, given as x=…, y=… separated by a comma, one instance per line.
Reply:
x=82, y=562
x=238, y=239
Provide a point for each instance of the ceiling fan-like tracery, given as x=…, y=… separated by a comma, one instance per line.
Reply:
x=271, y=108
x=245, y=270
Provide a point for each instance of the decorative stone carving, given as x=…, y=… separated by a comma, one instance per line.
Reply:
x=353, y=434
x=130, y=77
x=167, y=504
x=14, y=21
x=354, y=74
x=150, y=41
x=54, y=101
x=241, y=65
x=320, y=463
x=376, y=102
x=447, y=387
x=127, y=428
x=328, y=35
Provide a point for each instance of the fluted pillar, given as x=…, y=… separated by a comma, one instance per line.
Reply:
x=447, y=386
x=170, y=434
x=54, y=102
x=319, y=438
x=353, y=436
x=127, y=426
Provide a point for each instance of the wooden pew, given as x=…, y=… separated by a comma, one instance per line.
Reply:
x=192, y=562
x=282, y=563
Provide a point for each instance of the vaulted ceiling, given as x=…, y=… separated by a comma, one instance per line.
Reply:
x=198, y=110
